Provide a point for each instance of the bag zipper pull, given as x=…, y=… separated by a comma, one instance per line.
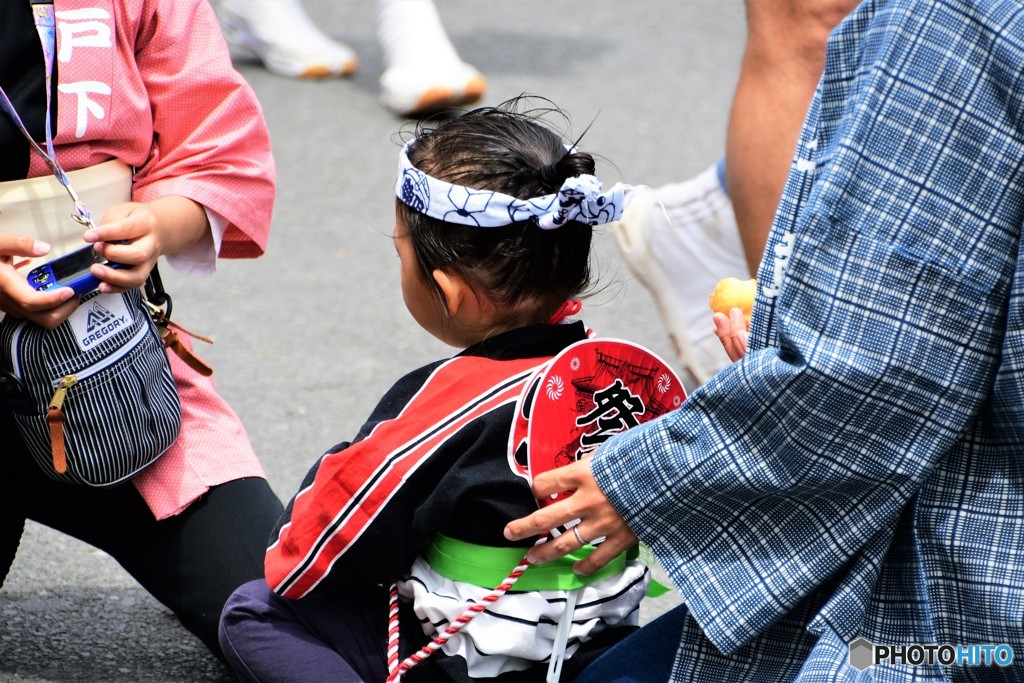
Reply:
x=57, y=402
x=55, y=418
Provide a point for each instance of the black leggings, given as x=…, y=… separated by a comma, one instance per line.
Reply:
x=190, y=562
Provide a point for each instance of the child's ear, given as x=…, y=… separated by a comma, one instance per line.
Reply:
x=457, y=294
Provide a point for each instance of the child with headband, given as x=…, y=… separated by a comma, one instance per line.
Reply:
x=493, y=231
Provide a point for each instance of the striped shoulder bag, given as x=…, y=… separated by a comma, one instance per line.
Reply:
x=93, y=398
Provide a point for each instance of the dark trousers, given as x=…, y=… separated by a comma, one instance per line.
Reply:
x=646, y=656
x=190, y=562
x=341, y=640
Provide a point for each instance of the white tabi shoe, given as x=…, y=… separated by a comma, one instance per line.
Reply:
x=285, y=39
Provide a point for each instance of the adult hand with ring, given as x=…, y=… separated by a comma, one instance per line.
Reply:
x=588, y=504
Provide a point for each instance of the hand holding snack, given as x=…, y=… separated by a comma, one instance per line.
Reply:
x=733, y=293
x=733, y=302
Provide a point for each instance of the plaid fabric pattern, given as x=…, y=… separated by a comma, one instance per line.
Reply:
x=861, y=471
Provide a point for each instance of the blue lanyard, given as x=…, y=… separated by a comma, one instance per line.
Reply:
x=46, y=27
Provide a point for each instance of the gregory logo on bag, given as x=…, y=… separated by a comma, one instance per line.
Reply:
x=97, y=318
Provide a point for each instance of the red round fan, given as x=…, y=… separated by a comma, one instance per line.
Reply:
x=590, y=391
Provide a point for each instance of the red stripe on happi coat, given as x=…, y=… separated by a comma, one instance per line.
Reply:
x=352, y=486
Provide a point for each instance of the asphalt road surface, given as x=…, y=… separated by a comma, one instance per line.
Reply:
x=309, y=336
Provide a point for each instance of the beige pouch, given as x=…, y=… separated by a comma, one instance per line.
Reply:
x=40, y=207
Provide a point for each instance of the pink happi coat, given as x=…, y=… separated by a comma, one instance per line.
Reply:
x=151, y=82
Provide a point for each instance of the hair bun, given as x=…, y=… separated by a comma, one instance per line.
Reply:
x=569, y=165
x=551, y=176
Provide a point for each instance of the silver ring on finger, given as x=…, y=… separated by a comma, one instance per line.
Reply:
x=576, y=533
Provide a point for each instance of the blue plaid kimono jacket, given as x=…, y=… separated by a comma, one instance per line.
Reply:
x=860, y=473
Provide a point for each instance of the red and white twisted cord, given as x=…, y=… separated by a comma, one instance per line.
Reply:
x=395, y=673
x=393, y=628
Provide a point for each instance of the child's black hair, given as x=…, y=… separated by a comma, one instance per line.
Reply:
x=523, y=269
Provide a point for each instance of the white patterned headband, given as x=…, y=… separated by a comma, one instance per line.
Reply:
x=579, y=199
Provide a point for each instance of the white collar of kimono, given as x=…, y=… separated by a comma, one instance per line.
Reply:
x=579, y=199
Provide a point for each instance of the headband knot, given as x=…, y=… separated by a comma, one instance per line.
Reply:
x=579, y=199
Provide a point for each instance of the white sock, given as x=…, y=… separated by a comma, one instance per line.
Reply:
x=410, y=33
x=285, y=37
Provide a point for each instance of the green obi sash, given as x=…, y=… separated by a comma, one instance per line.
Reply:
x=489, y=566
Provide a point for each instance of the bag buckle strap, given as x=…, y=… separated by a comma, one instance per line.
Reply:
x=169, y=333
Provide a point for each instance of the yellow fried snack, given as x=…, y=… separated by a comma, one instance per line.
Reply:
x=733, y=293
